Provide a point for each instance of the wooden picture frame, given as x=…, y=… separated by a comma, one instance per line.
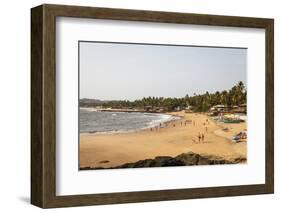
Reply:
x=43, y=105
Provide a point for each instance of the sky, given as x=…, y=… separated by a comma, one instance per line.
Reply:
x=121, y=71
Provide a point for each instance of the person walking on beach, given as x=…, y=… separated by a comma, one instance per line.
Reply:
x=199, y=137
x=202, y=136
x=206, y=129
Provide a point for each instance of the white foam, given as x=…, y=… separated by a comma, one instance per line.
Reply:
x=163, y=119
x=160, y=119
x=89, y=109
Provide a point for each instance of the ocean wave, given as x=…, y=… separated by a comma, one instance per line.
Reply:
x=89, y=109
x=152, y=120
x=164, y=118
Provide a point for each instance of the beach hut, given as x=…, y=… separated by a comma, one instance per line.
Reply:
x=218, y=108
x=148, y=108
x=178, y=108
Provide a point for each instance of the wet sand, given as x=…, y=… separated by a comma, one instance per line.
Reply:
x=176, y=138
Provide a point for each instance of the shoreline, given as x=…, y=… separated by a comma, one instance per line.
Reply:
x=148, y=127
x=112, y=150
x=119, y=110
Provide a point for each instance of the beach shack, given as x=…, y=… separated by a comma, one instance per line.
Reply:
x=188, y=109
x=219, y=109
x=155, y=109
x=148, y=108
x=239, y=109
x=160, y=109
x=178, y=108
x=243, y=108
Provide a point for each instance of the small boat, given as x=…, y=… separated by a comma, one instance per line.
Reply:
x=240, y=137
x=234, y=121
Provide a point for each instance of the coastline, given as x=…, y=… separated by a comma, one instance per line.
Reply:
x=175, y=138
x=114, y=110
x=153, y=124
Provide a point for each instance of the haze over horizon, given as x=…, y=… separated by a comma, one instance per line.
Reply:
x=114, y=71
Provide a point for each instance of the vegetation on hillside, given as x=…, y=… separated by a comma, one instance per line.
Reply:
x=199, y=103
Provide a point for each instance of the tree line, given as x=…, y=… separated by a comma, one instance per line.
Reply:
x=236, y=96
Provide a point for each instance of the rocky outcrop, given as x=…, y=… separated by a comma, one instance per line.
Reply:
x=185, y=159
x=192, y=158
x=161, y=161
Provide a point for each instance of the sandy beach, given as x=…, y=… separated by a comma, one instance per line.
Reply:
x=110, y=150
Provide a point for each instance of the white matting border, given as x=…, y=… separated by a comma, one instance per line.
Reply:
x=70, y=181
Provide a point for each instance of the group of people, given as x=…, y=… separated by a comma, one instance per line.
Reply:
x=185, y=122
x=201, y=136
x=173, y=125
x=158, y=127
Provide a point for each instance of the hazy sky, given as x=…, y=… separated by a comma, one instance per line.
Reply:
x=112, y=71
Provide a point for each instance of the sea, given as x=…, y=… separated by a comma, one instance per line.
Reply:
x=101, y=122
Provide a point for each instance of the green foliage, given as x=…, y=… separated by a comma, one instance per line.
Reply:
x=236, y=96
x=200, y=103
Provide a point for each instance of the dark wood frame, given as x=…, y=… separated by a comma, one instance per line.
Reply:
x=43, y=105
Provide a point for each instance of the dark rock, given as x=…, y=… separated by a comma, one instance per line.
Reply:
x=185, y=159
x=160, y=161
x=104, y=161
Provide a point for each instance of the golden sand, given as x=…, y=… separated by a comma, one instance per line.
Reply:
x=120, y=148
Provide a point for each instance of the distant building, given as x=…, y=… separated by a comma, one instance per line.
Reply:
x=178, y=108
x=188, y=109
x=219, y=108
x=240, y=109
x=160, y=109
x=222, y=109
x=155, y=109
x=148, y=108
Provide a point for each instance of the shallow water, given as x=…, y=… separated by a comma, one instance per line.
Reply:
x=109, y=122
